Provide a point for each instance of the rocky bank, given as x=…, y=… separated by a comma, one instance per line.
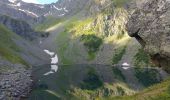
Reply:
x=15, y=81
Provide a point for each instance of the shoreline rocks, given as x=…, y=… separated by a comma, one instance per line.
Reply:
x=15, y=81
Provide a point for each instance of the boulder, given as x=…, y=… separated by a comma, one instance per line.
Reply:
x=149, y=23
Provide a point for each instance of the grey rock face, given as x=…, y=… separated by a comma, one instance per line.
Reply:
x=20, y=27
x=149, y=23
x=35, y=13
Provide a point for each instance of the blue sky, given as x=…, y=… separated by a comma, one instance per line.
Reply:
x=40, y=1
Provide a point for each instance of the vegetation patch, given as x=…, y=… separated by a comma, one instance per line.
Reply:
x=47, y=23
x=92, y=81
x=41, y=94
x=8, y=48
x=147, y=77
x=118, y=54
x=118, y=74
x=141, y=59
x=92, y=43
x=120, y=91
x=156, y=92
x=120, y=3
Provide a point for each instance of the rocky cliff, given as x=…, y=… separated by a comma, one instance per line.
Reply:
x=20, y=27
x=149, y=23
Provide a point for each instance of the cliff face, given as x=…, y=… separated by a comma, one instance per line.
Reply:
x=149, y=23
x=22, y=28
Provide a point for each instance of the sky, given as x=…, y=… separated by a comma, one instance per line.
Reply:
x=40, y=1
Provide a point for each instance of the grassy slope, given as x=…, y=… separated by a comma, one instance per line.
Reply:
x=8, y=49
x=69, y=42
x=49, y=22
x=159, y=91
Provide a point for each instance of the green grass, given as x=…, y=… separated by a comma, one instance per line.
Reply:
x=49, y=22
x=118, y=54
x=147, y=77
x=141, y=59
x=69, y=40
x=63, y=44
x=159, y=91
x=44, y=95
x=8, y=49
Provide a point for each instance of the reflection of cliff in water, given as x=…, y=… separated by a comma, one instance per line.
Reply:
x=69, y=76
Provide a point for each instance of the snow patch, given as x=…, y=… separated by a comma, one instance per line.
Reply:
x=57, y=8
x=12, y=1
x=54, y=60
x=29, y=12
x=49, y=52
x=125, y=64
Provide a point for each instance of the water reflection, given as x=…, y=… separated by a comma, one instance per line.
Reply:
x=54, y=69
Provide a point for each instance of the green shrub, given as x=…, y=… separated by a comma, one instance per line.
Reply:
x=147, y=77
x=118, y=74
x=141, y=59
x=120, y=91
x=92, y=81
x=92, y=43
x=168, y=89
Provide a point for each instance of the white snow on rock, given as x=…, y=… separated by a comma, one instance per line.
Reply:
x=54, y=68
x=125, y=64
x=28, y=12
x=54, y=61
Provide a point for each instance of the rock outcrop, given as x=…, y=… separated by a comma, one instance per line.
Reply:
x=15, y=81
x=149, y=23
x=20, y=27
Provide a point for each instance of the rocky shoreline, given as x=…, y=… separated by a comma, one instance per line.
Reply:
x=15, y=81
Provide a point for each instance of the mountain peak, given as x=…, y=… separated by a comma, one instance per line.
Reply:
x=14, y=1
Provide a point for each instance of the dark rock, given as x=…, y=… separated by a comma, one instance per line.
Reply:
x=149, y=23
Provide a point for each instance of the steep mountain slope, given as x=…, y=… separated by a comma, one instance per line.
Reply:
x=20, y=27
x=35, y=13
x=106, y=24
x=17, y=56
x=12, y=66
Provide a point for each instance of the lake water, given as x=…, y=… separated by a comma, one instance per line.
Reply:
x=52, y=82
